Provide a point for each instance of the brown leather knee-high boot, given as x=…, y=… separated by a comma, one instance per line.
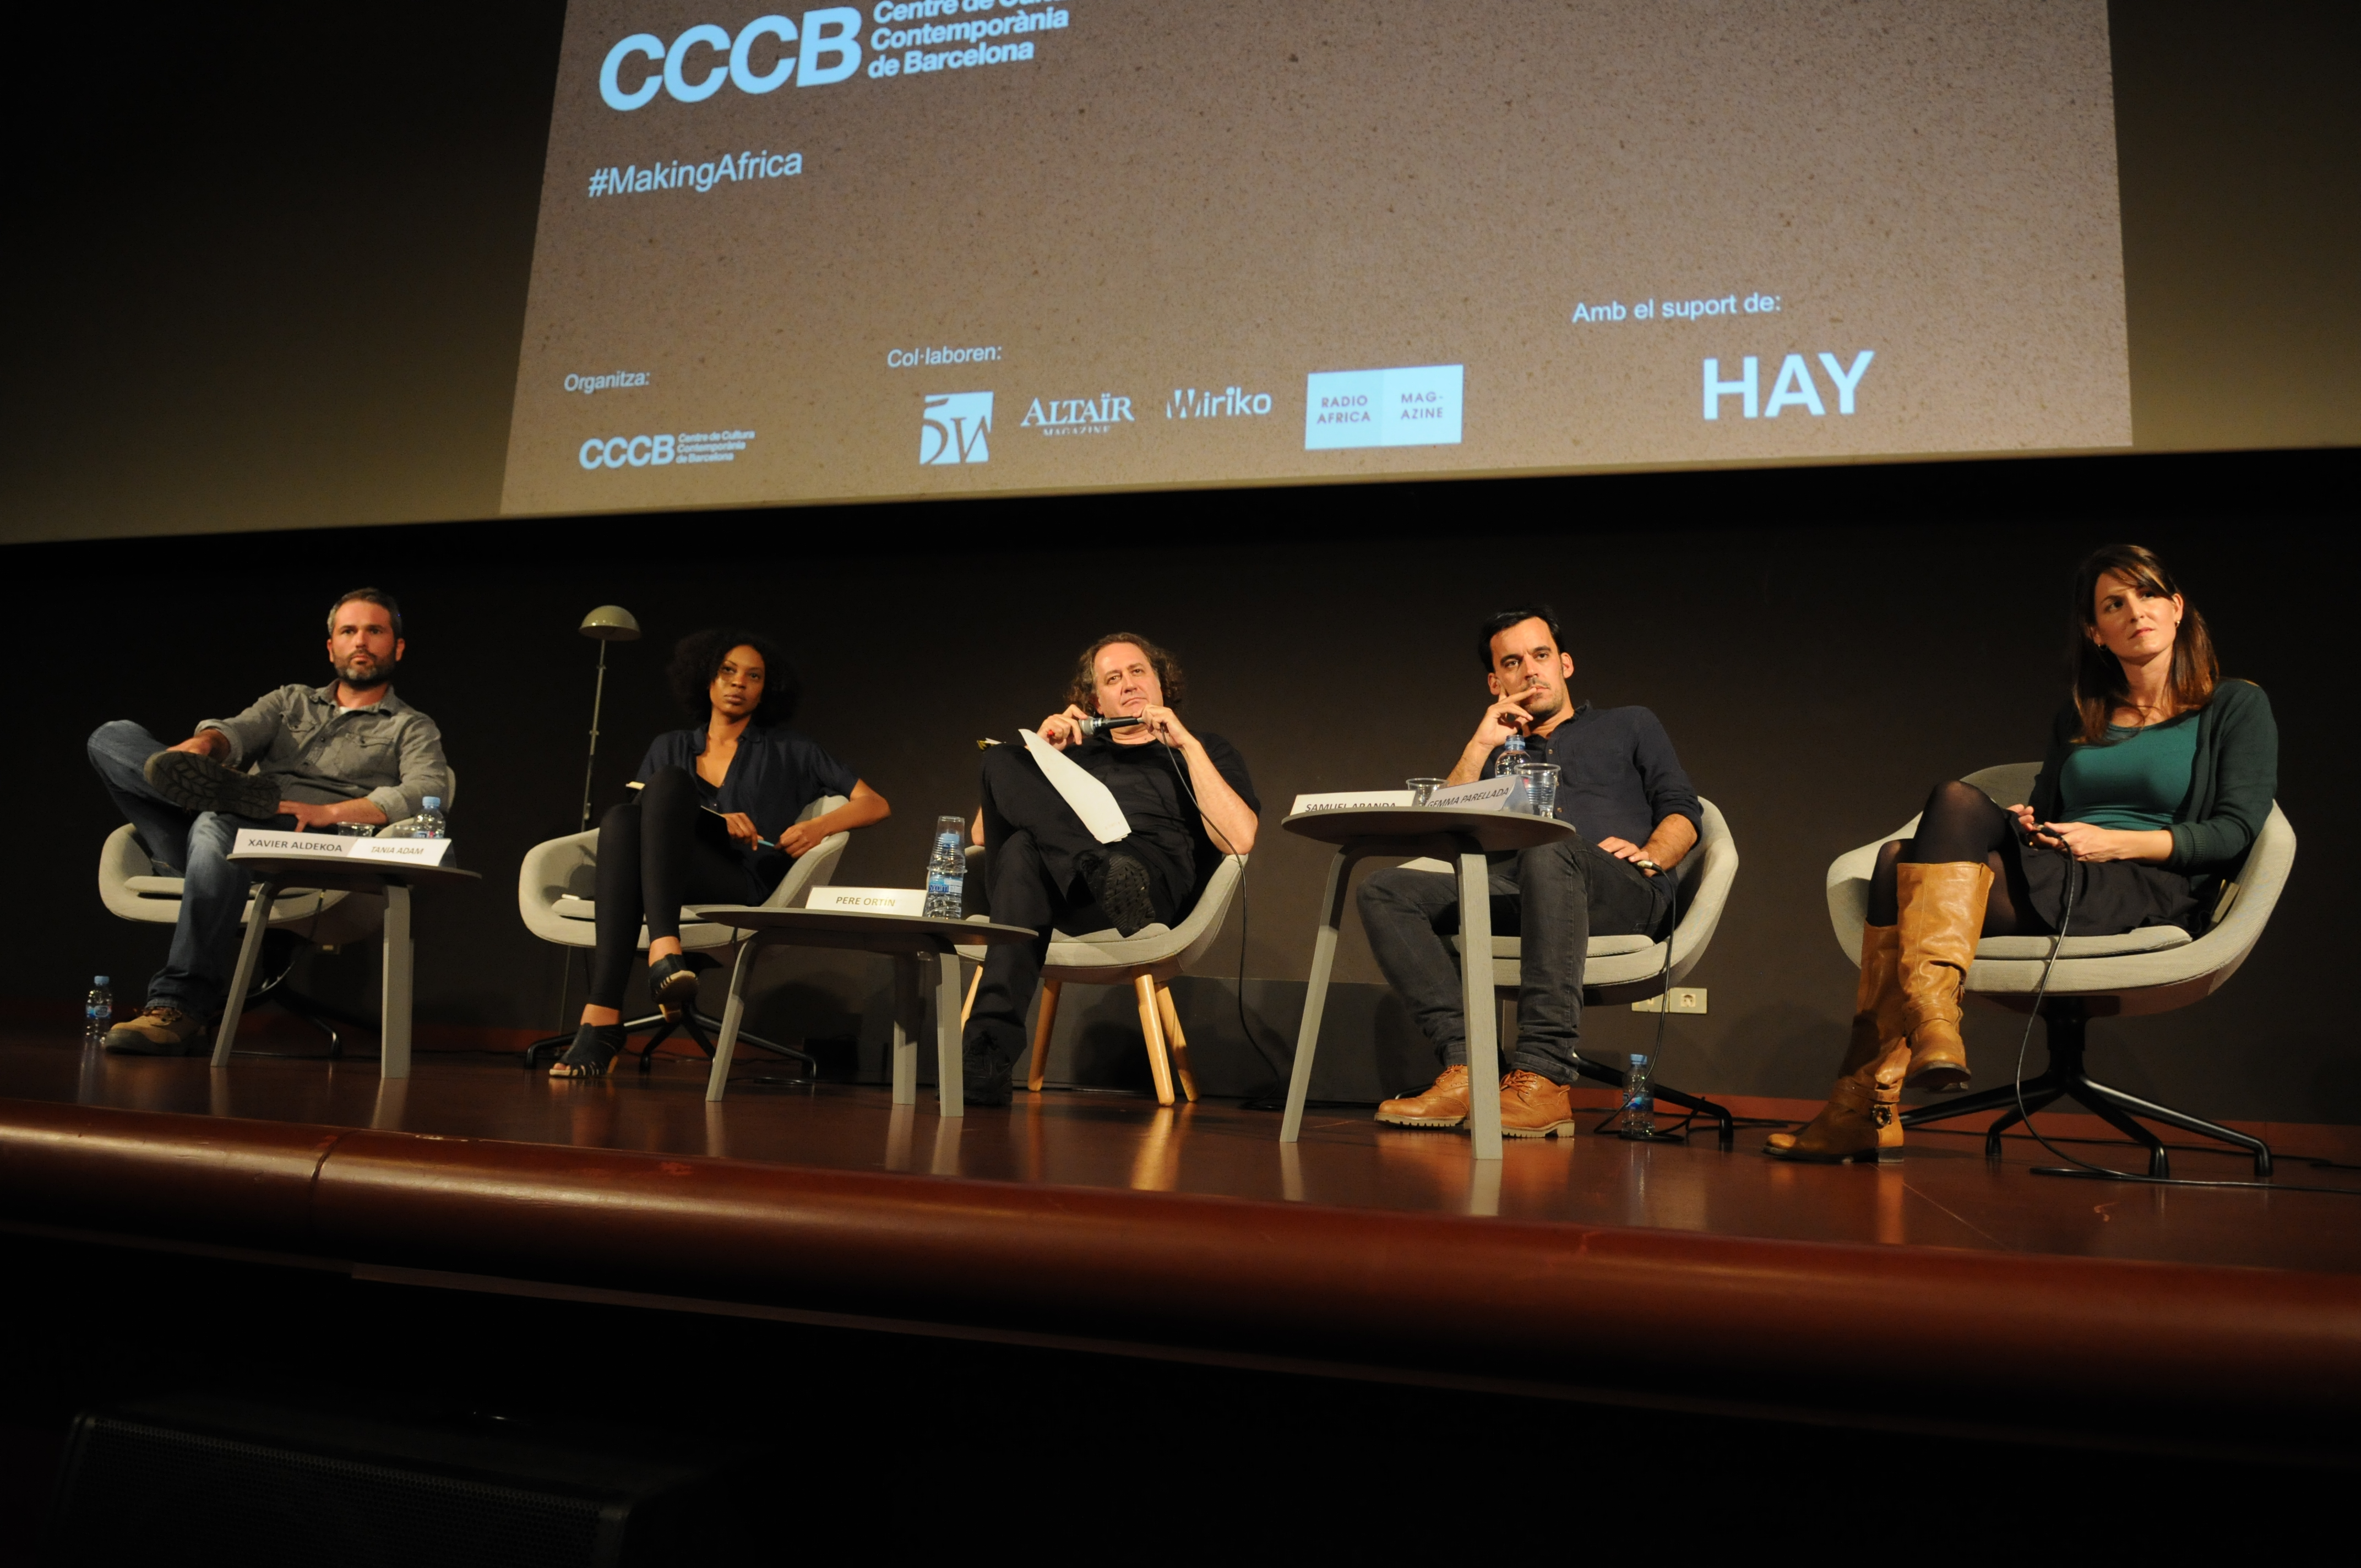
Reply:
x=1860, y=1120
x=1877, y=1025
x=1942, y=915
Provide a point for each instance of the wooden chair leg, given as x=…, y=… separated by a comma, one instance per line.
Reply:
x=1151, y=1025
x=1041, y=1027
x=973, y=987
x=1177, y=1040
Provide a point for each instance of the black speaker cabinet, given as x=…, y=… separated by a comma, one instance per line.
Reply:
x=207, y=1480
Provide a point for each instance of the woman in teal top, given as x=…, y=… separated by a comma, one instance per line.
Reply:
x=2159, y=775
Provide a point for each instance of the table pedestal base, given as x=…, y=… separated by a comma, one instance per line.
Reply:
x=1475, y=988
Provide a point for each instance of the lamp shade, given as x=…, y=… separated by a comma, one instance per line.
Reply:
x=610, y=623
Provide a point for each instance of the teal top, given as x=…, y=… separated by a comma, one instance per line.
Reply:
x=2231, y=781
x=2136, y=779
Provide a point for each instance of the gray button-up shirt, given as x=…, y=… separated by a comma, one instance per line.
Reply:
x=322, y=753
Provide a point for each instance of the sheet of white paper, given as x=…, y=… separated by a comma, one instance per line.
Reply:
x=1091, y=801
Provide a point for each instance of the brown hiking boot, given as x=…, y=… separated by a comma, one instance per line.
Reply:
x=1534, y=1107
x=1443, y=1104
x=195, y=781
x=158, y=1032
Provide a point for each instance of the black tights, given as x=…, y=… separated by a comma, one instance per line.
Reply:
x=1960, y=823
x=656, y=853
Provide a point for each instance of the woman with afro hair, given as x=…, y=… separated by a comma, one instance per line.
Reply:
x=715, y=822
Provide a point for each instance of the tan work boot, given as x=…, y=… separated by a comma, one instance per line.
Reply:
x=1534, y=1107
x=157, y=1032
x=1863, y=1119
x=1443, y=1104
x=1942, y=916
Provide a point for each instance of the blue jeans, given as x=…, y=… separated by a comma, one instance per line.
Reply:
x=1557, y=898
x=214, y=892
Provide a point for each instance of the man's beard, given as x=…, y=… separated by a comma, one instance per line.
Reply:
x=1541, y=703
x=353, y=673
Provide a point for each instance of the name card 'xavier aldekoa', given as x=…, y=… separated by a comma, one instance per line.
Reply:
x=337, y=847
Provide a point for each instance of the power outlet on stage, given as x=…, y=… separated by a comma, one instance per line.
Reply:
x=1687, y=1000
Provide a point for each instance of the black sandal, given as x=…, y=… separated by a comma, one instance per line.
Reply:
x=672, y=986
x=594, y=1050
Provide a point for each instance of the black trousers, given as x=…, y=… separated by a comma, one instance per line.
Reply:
x=1031, y=842
x=656, y=853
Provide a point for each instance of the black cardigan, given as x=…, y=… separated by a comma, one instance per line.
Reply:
x=2231, y=784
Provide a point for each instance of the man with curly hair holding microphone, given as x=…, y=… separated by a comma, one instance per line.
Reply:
x=1185, y=795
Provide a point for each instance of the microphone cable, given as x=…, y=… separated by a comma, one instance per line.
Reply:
x=2083, y=1169
x=1281, y=1072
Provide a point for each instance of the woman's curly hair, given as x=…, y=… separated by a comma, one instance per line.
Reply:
x=697, y=659
x=1084, y=690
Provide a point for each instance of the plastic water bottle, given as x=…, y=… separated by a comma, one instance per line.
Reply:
x=97, y=1011
x=429, y=823
x=947, y=871
x=1639, y=1099
x=1513, y=755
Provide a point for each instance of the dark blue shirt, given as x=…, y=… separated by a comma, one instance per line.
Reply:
x=773, y=775
x=1616, y=774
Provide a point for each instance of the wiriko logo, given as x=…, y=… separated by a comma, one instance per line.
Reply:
x=767, y=53
x=1230, y=402
x=956, y=427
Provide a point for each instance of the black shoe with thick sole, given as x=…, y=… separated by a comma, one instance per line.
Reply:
x=195, y=783
x=594, y=1050
x=987, y=1067
x=1119, y=880
x=672, y=986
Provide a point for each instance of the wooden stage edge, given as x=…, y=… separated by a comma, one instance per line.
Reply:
x=2166, y=1356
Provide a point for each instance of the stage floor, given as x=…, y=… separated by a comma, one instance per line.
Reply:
x=1945, y=1195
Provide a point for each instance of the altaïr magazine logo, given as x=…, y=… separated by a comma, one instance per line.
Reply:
x=1078, y=416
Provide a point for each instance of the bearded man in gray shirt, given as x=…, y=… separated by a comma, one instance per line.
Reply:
x=349, y=751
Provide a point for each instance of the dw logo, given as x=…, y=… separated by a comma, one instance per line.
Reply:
x=955, y=428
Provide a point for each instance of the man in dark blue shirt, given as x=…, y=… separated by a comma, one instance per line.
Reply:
x=1622, y=788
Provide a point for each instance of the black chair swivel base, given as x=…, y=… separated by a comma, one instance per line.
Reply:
x=2066, y=1078
x=698, y=1026
x=1726, y=1131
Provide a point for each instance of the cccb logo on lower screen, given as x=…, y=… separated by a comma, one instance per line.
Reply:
x=626, y=452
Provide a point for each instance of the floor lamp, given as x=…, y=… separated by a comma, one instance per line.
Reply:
x=608, y=623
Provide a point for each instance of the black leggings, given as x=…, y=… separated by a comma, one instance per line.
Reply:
x=656, y=853
x=1960, y=823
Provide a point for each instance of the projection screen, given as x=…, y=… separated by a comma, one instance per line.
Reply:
x=947, y=246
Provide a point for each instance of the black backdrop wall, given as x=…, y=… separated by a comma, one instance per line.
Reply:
x=1822, y=645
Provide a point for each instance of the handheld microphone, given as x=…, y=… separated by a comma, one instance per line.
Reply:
x=1091, y=727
